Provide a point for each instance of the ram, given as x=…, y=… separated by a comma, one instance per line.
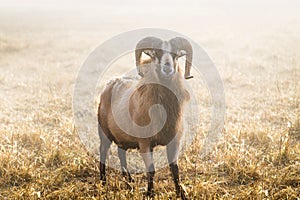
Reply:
x=147, y=111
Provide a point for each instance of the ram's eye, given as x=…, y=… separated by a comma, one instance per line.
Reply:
x=150, y=52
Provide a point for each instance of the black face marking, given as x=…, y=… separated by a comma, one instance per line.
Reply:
x=166, y=57
x=159, y=53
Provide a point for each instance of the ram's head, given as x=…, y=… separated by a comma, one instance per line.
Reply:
x=165, y=55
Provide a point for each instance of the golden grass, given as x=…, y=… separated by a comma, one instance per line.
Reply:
x=56, y=166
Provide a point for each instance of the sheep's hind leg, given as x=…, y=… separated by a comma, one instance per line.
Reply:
x=122, y=157
x=104, y=147
x=172, y=155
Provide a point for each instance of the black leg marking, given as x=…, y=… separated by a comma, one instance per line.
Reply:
x=174, y=170
x=150, y=176
x=172, y=155
x=104, y=147
x=175, y=174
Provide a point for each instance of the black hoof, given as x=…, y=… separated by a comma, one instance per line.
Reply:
x=103, y=180
x=130, y=180
x=182, y=194
x=128, y=177
x=149, y=195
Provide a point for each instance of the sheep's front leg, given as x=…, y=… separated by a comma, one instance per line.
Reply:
x=172, y=155
x=122, y=157
x=147, y=155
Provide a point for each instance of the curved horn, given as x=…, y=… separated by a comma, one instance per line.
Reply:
x=183, y=44
x=148, y=43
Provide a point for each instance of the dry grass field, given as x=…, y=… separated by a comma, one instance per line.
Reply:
x=256, y=51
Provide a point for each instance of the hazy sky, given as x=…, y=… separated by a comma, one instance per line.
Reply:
x=77, y=4
x=151, y=13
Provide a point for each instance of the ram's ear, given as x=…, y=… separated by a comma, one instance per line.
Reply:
x=150, y=52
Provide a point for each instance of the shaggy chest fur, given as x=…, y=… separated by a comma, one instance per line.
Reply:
x=155, y=94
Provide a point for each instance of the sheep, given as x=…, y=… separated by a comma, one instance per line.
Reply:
x=162, y=83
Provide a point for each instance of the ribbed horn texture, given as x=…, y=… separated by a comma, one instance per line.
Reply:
x=183, y=44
